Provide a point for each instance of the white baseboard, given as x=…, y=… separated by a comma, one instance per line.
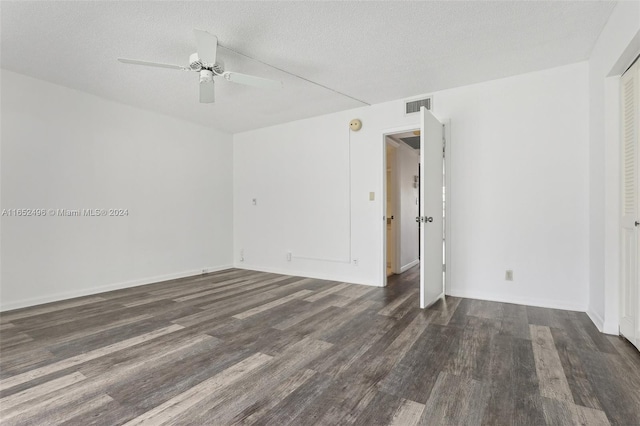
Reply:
x=23, y=303
x=607, y=327
x=596, y=319
x=283, y=271
x=542, y=303
x=611, y=327
x=409, y=265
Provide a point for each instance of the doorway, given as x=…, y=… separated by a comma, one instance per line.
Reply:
x=402, y=192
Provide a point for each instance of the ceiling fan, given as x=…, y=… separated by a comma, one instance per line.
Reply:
x=204, y=62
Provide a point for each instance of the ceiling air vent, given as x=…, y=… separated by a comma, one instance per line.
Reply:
x=411, y=107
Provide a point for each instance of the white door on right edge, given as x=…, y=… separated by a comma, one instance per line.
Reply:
x=431, y=226
x=630, y=291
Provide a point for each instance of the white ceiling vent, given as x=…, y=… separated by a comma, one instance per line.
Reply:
x=413, y=106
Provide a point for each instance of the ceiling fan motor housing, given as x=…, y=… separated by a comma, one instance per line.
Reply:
x=195, y=64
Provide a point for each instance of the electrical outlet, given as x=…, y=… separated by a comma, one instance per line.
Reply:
x=254, y=201
x=508, y=275
x=241, y=255
x=288, y=256
x=355, y=262
x=204, y=271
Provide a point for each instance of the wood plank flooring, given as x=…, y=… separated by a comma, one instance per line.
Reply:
x=244, y=347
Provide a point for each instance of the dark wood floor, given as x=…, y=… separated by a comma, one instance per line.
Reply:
x=255, y=348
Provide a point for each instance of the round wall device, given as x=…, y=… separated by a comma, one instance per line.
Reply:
x=355, y=124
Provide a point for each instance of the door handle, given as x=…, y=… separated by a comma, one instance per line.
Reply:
x=424, y=219
x=637, y=223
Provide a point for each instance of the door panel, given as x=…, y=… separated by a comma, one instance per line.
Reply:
x=629, y=289
x=431, y=231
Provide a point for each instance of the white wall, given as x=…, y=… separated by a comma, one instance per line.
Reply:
x=519, y=195
x=408, y=160
x=616, y=47
x=299, y=174
x=66, y=149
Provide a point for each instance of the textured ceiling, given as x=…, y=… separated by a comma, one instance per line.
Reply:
x=412, y=141
x=373, y=51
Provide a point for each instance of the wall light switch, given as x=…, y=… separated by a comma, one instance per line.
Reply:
x=372, y=196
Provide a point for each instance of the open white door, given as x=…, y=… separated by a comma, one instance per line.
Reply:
x=630, y=288
x=431, y=150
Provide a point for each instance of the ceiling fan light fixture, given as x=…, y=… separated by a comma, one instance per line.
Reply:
x=195, y=64
x=206, y=76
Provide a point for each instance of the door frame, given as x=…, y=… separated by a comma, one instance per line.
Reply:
x=447, y=205
x=395, y=266
x=447, y=183
x=385, y=133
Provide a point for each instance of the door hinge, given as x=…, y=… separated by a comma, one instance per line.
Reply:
x=444, y=141
x=444, y=268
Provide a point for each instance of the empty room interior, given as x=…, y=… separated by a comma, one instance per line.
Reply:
x=320, y=213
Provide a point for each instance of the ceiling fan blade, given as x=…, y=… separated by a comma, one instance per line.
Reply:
x=207, y=92
x=152, y=64
x=207, y=46
x=251, y=80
